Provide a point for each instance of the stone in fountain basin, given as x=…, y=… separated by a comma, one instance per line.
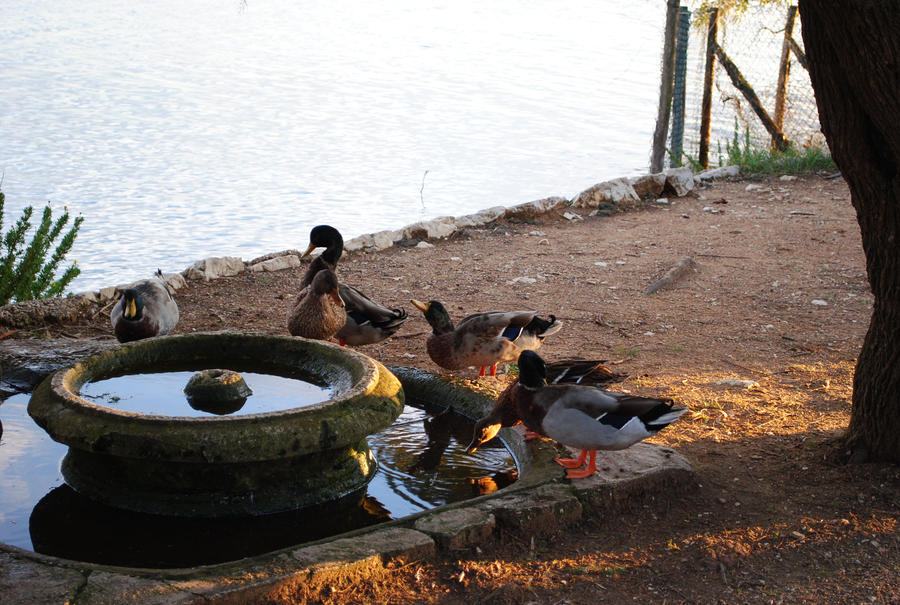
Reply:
x=226, y=465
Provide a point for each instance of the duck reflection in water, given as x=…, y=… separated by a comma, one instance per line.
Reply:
x=488, y=485
x=374, y=508
x=441, y=429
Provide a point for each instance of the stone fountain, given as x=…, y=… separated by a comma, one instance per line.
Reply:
x=221, y=465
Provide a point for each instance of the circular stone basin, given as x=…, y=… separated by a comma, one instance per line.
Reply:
x=220, y=466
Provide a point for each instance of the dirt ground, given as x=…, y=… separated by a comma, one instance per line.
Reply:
x=778, y=296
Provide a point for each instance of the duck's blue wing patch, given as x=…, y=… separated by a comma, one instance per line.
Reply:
x=512, y=332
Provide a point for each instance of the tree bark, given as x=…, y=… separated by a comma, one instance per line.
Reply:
x=853, y=50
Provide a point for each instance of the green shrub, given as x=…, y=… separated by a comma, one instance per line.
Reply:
x=758, y=160
x=25, y=271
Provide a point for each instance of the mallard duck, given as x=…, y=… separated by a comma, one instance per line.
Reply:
x=591, y=372
x=367, y=321
x=483, y=339
x=579, y=416
x=146, y=309
x=318, y=312
x=322, y=236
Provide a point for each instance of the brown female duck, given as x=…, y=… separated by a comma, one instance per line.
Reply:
x=367, y=321
x=318, y=312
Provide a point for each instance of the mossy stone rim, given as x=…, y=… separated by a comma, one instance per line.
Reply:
x=366, y=398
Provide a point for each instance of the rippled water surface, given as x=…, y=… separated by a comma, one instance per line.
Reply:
x=182, y=130
x=422, y=464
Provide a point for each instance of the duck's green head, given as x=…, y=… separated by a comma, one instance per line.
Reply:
x=532, y=370
x=435, y=314
x=326, y=236
x=132, y=305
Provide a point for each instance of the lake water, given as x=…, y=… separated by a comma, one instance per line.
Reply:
x=182, y=130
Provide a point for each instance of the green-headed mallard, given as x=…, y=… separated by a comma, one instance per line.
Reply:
x=146, y=309
x=318, y=312
x=579, y=416
x=483, y=339
x=367, y=321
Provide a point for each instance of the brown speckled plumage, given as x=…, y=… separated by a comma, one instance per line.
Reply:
x=318, y=312
x=479, y=338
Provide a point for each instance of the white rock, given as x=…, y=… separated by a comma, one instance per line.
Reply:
x=456, y=259
x=359, y=243
x=522, y=280
x=278, y=263
x=437, y=228
x=753, y=187
x=662, y=200
x=571, y=216
x=649, y=184
x=535, y=208
x=600, y=263
x=787, y=177
x=483, y=217
x=108, y=293
x=718, y=173
x=382, y=240
x=424, y=244
x=679, y=180
x=214, y=267
x=819, y=302
x=737, y=382
x=615, y=191
x=175, y=281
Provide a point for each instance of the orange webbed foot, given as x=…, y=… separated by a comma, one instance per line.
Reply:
x=572, y=462
x=585, y=472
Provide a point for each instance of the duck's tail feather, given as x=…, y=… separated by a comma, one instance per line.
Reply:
x=393, y=323
x=662, y=415
x=655, y=414
x=582, y=371
x=543, y=328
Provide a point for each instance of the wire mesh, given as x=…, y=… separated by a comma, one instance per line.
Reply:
x=753, y=42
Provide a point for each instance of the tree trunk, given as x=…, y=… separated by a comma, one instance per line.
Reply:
x=853, y=50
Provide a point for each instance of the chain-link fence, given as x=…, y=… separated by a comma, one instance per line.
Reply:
x=754, y=42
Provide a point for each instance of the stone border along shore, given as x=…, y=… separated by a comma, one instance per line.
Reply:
x=541, y=501
x=623, y=190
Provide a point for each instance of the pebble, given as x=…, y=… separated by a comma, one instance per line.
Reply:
x=737, y=382
x=819, y=302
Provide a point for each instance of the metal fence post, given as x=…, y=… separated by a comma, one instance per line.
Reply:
x=676, y=138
